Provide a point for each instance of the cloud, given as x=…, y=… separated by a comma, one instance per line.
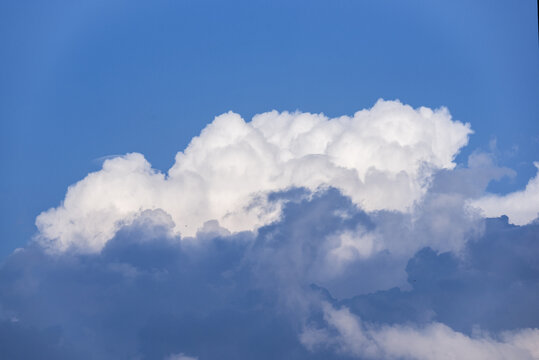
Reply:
x=470, y=181
x=148, y=295
x=180, y=356
x=434, y=341
x=27, y=342
x=289, y=236
x=522, y=207
x=476, y=306
x=382, y=158
x=493, y=284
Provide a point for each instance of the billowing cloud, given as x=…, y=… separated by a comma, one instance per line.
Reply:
x=289, y=236
x=521, y=207
x=382, y=158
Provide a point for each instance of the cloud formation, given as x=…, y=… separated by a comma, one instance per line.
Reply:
x=180, y=356
x=382, y=158
x=522, y=207
x=272, y=293
x=474, y=307
x=289, y=236
x=434, y=341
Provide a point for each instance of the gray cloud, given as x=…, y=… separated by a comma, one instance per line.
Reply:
x=150, y=295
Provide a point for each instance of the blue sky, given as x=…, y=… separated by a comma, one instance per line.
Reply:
x=82, y=82
x=89, y=79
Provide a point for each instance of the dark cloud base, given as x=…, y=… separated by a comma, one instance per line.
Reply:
x=247, y=296
x=494, y=287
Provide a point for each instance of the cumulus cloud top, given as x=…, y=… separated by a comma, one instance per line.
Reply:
x=382, y=158
x=522, y=207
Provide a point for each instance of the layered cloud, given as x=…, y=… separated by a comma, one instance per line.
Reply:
x=382, y=158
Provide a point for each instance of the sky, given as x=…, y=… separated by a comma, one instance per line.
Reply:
x=269, y=179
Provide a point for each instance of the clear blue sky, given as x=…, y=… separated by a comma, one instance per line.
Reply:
x=82, y=80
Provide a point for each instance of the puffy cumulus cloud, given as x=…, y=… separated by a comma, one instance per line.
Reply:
x=282, y=291
x=348, y=334
x=289, y=236
x=382, y=158
x=522, y=207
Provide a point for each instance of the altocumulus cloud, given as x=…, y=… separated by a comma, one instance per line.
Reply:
x=290, y=236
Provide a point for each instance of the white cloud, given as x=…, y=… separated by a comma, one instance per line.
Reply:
x=349, y=335
x=180, y=356
x=382, y=158
x=352, y=245
x=522, y=207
